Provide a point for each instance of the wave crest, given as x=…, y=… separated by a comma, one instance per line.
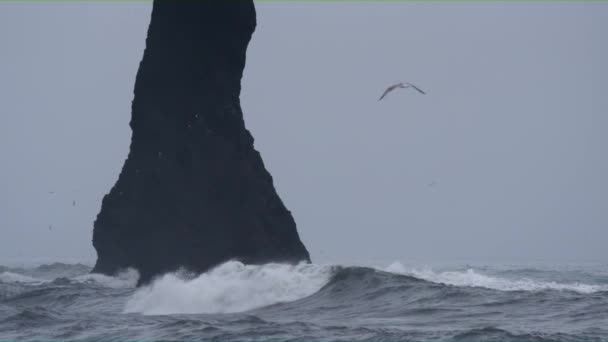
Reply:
x=471, y=278
x=125, y=279
x=230, y=287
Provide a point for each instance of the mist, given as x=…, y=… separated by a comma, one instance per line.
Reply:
x=504, y=159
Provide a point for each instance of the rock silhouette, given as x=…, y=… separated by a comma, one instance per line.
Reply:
x=193, y=191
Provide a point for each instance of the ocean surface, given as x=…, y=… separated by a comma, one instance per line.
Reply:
x=393, y=302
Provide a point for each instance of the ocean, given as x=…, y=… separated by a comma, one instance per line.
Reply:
x=310, y=302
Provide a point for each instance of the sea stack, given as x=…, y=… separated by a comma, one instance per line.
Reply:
x=193, y=192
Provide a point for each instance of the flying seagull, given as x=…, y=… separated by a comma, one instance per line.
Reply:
x=400, y=85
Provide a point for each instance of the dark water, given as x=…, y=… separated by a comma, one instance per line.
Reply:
x=309, y=302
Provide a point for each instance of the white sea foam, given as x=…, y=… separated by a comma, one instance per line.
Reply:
x=10, y=277
x=125, y=279
x=230, y=287
x=473, y=278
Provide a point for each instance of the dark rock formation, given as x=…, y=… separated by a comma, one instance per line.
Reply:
x=193, y=191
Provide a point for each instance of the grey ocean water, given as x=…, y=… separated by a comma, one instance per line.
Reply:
x=398, y=301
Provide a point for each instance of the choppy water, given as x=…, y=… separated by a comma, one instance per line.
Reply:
x=309, y=302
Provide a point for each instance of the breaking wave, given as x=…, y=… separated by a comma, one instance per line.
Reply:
x=316, y=302
x=472, y=278
x=233, y=287
x=230, y=287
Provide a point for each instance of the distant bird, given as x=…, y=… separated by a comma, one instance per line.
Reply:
x=50, y=227
x=400, y=85
x=73, y=203
x=51, y=192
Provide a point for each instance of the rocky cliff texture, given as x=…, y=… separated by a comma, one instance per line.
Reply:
x=193, y=191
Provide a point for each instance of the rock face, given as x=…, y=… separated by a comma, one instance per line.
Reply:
x=193, y=191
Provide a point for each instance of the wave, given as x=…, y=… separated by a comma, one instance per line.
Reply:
x=234, y=287
x=317, y=302
x=47, y=272
x=496, y=334
x=472, y=278
x=125, y=279
x=230, y=287
x=10, y=277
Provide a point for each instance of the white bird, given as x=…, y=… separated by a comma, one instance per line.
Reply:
x=400, y=85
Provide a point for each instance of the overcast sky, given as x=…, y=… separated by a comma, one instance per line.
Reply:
x=505, y=159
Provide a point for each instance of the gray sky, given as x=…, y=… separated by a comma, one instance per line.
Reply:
x=504, y=159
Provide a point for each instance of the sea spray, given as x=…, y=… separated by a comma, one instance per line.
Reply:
x=230, y=287
x=473, y=278
x=318, y=302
